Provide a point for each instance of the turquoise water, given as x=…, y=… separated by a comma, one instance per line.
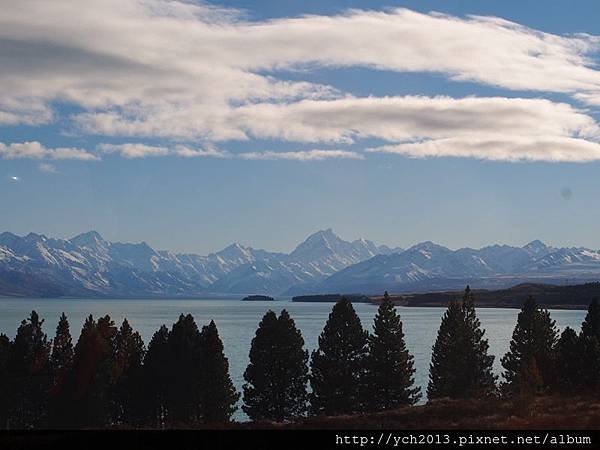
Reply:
x=237, y=322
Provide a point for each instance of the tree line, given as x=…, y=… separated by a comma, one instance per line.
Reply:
x=109, y=378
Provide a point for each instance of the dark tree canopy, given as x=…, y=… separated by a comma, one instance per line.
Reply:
x=591, y=324
x=61, y=364
x=460, y=364
x=532, y=345
x=5, y=349
x=183, y=387
x=29, y=372
x=338, y=365
x=390, y=368
x=126, y=377
x=569, y=361
x=157, y=370
x=218, y=395
x=276, y=377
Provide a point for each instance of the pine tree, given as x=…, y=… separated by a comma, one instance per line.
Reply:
x=29, y=371
x=480, y=379
x=156, y=377
x=61, y=363
x=591, y=324
x=90, y=379
x=218, y=394
x=184, y=393
x=390, y=368
x=127, y=398
x=338, y=365
x=5, y=350
x=569, y=358
x=534, y=338
x=590, y=348
x=448, y=359
x=460, y=364
x=277, y=375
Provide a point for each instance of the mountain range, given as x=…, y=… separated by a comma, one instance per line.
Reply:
x=90, y=266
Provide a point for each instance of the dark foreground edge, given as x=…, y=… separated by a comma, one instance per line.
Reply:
x=305, y=439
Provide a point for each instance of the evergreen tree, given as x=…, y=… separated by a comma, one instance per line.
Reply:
x=460, y=364
x=5, y=350
x=569, y=358
x=533, y=343
x=127, y=398
x=156, y=377
x=277, y=375
x=61, y=363
x=218, y=395
x=390, y=368
x=591, y=324
x=481, y=380
x=29, y=371
x=184, y=392
x=90, y=379
x=338, y=365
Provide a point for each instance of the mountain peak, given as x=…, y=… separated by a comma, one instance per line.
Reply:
x=89, y=239
x=535, y=244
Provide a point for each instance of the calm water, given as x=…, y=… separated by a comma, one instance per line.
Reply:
x=237, y=322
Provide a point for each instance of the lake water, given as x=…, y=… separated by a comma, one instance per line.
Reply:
x=237, y=322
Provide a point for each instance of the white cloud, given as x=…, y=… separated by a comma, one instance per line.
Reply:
x=47, y=168
x=501, y=147
x=302, y=155
x=185, y=71
x=35, y=150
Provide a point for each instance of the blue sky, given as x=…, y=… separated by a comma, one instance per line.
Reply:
x=191, y=125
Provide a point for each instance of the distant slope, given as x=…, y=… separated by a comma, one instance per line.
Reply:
x=548, y=296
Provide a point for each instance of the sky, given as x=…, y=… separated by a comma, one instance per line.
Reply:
x=191, y=125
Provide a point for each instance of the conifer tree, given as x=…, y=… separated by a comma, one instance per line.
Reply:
x=569, y=359
x=61, y=363
x=90, y=378
x=533, y=343
x=29, y=369
x=277, y=375
x=5, y=348
x=338, y=365
x=589, y=340
x=460, y=364
x=448, y=359
x=127, y=404
x=218, y=394
x=184, y=393
x=390, y=368
x=156, y=377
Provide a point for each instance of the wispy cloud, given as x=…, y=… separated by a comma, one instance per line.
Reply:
x=35, y=150
x=47, y=168
x=191, y=72
x=302, y=155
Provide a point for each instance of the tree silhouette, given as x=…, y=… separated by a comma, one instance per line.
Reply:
x=29, y=371
x=61, y=364
x=157, y=368
x=218, y=395
x=5, y=350
x=338, y=365
x=569, y=358
x=460, y=364
x=533, y=342
x=590, y=343
x=184, y=392
x=390, y=368
x=276, y=377
x=126, y=377
x=90, y=379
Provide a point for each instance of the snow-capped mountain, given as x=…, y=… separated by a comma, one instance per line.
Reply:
x=428, y=266
x=88, y=265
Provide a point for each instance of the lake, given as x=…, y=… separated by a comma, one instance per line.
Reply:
x=237, y=322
